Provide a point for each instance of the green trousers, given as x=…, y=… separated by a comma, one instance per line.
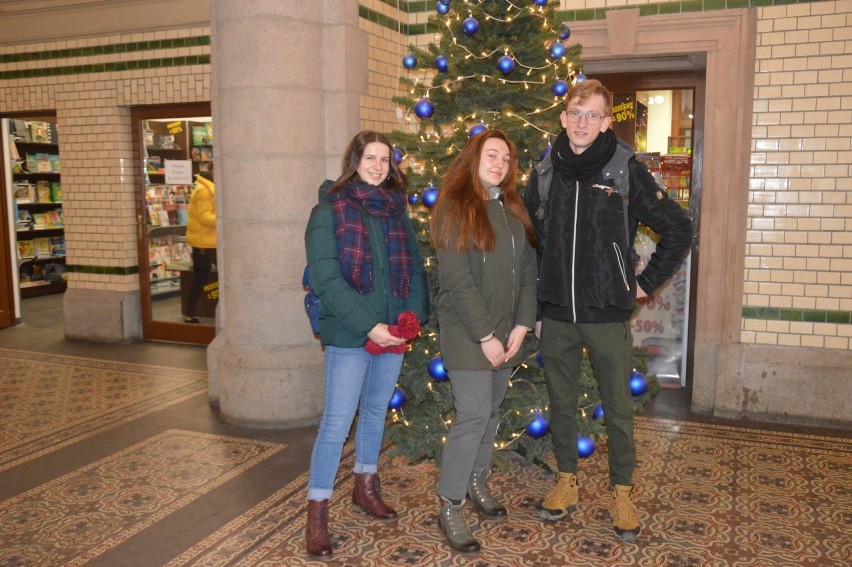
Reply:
x=609, y=346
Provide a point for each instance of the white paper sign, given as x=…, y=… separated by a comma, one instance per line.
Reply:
x=178, y=172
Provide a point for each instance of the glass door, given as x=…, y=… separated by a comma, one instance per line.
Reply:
x=661, y=114
x=178, y=275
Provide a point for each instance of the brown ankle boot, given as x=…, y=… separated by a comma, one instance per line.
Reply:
x=316, y=531
x=367, y=495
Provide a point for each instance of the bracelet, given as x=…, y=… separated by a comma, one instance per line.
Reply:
x=485, y=340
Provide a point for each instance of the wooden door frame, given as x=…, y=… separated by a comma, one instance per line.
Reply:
x=151, y=329
x=725, y=42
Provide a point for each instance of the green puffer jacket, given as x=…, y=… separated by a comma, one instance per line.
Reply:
x=346, y=316
x=484, y=292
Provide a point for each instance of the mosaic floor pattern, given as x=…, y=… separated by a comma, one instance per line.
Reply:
x=708, y=496
x=80, y=515
x=51, y=401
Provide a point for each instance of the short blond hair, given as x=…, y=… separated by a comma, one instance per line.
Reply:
x=584, y=90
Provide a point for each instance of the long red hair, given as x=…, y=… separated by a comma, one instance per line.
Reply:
x=460, y=214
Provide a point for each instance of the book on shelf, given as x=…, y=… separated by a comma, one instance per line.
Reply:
x=20, y=130
x=40, y=221
x=26, y=249
x=24, y=192
x=56, y=191
x=40, y=132
x=57, y=245
x=42, y=246
x=54, y=219
x=43, y=191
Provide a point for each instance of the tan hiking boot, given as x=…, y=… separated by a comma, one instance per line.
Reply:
x=625, y=521
x=562, y=499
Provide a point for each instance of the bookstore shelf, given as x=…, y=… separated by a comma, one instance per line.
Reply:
x=36, y=195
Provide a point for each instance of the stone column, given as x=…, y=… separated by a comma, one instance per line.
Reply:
x=287, y=77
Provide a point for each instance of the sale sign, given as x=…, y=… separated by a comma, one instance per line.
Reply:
x=659, y=323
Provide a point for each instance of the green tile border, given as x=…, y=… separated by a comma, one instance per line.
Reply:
x=106, y=67
x=582, y=15
x=113, y=49
x=798, y=315
x=105, y=270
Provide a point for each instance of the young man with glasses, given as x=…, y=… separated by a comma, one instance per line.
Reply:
x=586, y=199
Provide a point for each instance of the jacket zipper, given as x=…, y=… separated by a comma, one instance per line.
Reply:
x=620, y=257
x=574, y=252
x=514, y=274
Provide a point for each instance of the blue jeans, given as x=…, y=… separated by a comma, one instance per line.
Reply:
x=354, y=380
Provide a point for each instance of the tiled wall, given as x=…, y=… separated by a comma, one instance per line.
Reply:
x=798, y=280
x=798, y=277
x=90, y=83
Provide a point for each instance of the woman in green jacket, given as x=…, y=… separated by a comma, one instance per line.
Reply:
x=482, y=235
x=367, y=269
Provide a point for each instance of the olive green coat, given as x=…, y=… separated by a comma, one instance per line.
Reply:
x=484, y=292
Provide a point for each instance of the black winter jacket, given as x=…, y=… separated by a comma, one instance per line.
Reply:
x=586, y=266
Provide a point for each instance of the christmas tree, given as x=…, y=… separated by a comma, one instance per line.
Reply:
x=505, y=65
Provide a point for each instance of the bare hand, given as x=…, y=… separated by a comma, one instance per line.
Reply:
x=516, y=339
x=382, y=336
x=494, y=352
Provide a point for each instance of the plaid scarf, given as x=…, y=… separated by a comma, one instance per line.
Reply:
x=353, y=240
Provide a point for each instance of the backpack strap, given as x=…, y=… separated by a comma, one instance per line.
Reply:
x=545, y=175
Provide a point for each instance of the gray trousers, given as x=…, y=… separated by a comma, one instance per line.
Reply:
x=470, y=443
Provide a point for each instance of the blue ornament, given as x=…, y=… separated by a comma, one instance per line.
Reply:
x=409, y=61
x=430, y=195
x=442, y=63
x=598, y=413
x=585, y=446
x=539, y=427
x=541, y=2
x=557, y=50
x=559, y=88
x=546, y=150
x=580, y=78
x=437, y=370
x=423, y=108
x=442, y=8
x=412, y=199
x=476, y=129
x=638, y=383
x=470, y=26
x=397, y=155
x=397, y=400
x=506, y=64
x=566, y=33
x=539, y=359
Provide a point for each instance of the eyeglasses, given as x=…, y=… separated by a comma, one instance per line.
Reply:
x=591, y=117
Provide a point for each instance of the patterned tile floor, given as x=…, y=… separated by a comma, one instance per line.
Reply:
x=111, y=456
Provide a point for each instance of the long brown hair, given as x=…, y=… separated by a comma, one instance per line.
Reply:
x=460, y=212
x=396, y=180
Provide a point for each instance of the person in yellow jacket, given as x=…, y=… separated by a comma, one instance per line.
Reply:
x=201, y=235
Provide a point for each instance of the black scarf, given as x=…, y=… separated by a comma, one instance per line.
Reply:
x=587, y=165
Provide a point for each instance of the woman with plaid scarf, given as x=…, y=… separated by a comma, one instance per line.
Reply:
x=367, y=270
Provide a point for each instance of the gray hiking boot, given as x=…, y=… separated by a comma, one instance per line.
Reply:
x=452, y=524
x=482, y=497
